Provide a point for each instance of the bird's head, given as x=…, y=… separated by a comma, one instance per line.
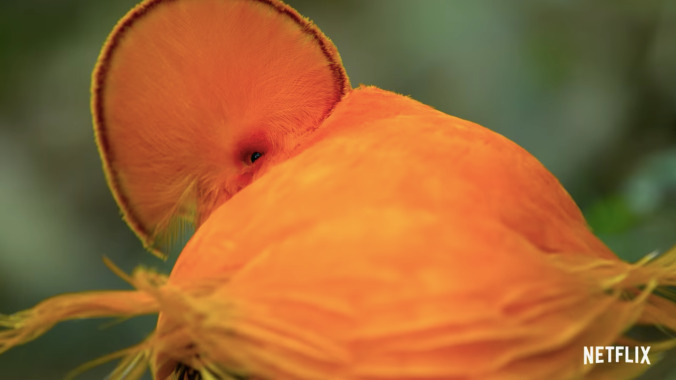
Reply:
x=193, y=100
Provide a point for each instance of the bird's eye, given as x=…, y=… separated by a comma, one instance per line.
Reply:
x=255, y=156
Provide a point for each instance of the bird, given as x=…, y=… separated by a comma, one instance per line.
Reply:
x=340, y=233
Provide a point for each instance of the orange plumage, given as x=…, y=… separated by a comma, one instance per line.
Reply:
x=180, y=100
x=372, y=237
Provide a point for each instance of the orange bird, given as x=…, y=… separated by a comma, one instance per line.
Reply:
x=349, y=234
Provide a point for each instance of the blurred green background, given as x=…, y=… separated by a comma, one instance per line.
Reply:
x=588, y=87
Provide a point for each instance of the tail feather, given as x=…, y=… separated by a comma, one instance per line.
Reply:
x=652, y=279
x=27, y=325
x=660, y=306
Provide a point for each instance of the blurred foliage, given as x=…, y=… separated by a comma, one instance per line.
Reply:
x=588, y=87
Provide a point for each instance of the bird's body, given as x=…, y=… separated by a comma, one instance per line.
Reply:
x=393, y=158
x=428, y=247
x=347, y=234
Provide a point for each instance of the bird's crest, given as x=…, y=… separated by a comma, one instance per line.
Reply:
x=181, y=88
